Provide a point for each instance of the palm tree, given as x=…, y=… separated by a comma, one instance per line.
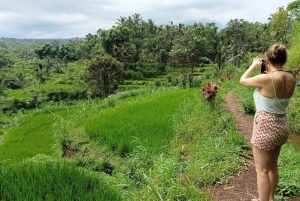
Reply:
x=122, y=21
x=221, y=60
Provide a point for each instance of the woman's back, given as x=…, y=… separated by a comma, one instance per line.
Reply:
x=284, y=84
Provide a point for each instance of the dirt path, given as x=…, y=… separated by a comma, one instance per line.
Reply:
x=242, y=185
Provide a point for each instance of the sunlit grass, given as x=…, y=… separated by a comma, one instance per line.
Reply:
x=148, y=121
x=54, y=181
x=34, y=137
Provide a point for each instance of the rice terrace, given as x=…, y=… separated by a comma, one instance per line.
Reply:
x=141, y=112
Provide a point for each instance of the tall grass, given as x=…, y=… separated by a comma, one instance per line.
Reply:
x=53, y=181
x=148, y=121
x=289, y=163
x=156, y=177
x=208, y=145
x=29, y=139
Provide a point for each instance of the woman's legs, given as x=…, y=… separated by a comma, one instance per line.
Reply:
x=273, y=171
x=262, y=161
x=267, y=172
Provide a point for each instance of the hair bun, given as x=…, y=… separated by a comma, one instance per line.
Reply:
x=277, y=54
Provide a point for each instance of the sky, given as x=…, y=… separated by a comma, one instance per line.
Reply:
x=77, y=18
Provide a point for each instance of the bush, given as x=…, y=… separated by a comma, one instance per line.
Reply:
x=133, y=75
x=63, y=94
x=197, y=81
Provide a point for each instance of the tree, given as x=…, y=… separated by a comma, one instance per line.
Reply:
x=86, y=47
x=236, y=36
x=294, y=9
x=45, y=50
x=221, y=60
x=104, y=75
x=195, y=43
x=5, y=60
x=281, y=25
x=115, y=41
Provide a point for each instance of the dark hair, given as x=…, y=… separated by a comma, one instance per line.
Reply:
x=276, y=54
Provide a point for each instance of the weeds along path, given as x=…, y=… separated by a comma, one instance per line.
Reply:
x=242, y=185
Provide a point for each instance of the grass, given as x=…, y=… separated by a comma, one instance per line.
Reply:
x=207, y=144
x=32, y=137
x=28, y=140
x=147, y=121
x=54, y=181
x=289, y=163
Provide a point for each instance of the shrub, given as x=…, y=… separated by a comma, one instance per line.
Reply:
x=209, y=91
x=133, y=75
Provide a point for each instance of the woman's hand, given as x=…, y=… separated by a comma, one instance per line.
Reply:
x=256, y=81
x=256, y=63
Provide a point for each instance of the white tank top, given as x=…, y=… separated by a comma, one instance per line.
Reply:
x=272, y=105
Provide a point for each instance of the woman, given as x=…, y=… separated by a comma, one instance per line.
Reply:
x=273, y=90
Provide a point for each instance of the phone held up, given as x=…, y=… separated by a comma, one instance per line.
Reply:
x=263, y=67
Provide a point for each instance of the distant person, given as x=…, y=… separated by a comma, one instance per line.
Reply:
x=274, y=88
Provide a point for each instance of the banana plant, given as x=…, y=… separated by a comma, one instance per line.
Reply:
x=221, y=60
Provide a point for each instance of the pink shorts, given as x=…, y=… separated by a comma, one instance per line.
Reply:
x=269, y=130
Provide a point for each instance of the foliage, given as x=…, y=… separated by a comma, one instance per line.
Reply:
x=294, y=111
x=194, y=44
x=289, y=184
x=45, y=50
x=228, y=75
x=133, y=75
x=209, y=91
x=115, y=41
x=104, y=75
x=5, y=58
x=280, y=25
x=221, y=60
x=294, y=10
x=293, y=61
x=64, y=94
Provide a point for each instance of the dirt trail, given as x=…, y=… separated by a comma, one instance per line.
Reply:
x=242, y=185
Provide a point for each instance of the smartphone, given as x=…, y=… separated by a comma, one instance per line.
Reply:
x=263, y=67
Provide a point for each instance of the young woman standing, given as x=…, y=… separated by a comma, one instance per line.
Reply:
x=274, y=88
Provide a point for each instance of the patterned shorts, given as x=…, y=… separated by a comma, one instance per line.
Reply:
x=269, y=130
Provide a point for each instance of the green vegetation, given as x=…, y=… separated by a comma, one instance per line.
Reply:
x=34, y=137
x=53, y=181
x=121, y=114
x=147, y=122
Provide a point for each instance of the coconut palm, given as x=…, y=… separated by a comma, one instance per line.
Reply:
x=221, y=60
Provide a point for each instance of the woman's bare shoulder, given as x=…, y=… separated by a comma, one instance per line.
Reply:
x=290, y=76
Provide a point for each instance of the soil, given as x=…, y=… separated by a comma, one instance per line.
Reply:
x=242, y=185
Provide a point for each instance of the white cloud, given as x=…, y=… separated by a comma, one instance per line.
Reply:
x=77, y=18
